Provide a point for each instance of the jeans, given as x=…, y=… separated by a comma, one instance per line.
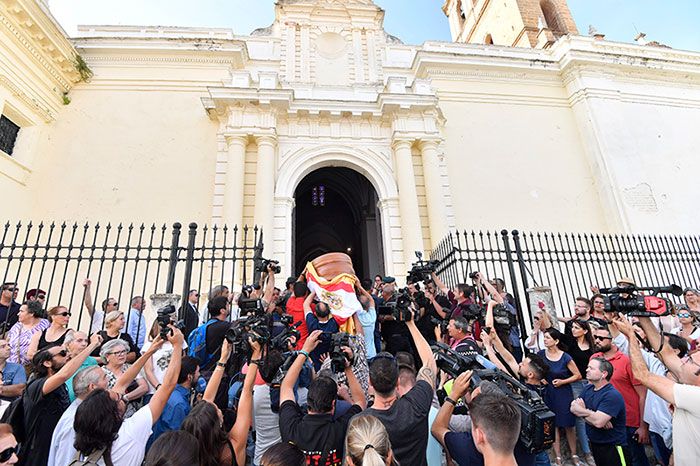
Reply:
x=663, y=454
x=542, y=459
x=581, y=433
x=638, y=457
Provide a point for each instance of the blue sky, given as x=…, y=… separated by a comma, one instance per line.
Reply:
x=671, y=22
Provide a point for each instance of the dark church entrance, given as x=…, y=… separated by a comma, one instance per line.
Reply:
x=336, y=211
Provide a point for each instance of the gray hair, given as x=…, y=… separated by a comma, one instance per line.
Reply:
x=84, y=378
x=70, y=336
x=217, y=291
x=111, y=345
x=488, y=387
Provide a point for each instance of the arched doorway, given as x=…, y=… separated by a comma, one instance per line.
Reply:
x=336, y=211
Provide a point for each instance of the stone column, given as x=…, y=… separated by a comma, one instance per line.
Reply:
x=437, y=212
x=265, y=185
x=235, y=179
x=408, y=200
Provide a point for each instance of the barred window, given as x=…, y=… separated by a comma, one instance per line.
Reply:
x=8, y=134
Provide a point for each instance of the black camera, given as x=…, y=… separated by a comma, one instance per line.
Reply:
x=421, y=270
x=282, y=340
x=537, y=421
x=474, y=276
x=401, y=307
x=164, y=318
x=253, y=327
x=627, y=300
x=249, y=306
x=502, y=317
x=441, y=323
x=268, y=265
x=337, y=355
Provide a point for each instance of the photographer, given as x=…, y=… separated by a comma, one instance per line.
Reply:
x=461, y=339
x=319, y=436
x=405, y=418
x=460, y=299
x=322, y=321
x=493, y=439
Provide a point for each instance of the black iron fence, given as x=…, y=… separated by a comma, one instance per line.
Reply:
x=124, y=261
x=568, y=263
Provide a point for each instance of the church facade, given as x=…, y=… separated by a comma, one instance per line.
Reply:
x=331, y=134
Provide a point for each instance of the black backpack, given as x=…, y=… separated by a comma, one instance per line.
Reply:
x=14, y=415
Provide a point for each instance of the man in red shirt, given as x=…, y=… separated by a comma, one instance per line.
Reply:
x=295, y=308
x=633, y=392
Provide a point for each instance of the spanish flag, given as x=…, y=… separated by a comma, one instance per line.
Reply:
x=338, y=293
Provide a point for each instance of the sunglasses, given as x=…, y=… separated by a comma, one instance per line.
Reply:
x=41, y=296
x=10, y=289
x=602, y=338
x=683, y=314
x=7, y=453
x=63, y=353
x=64, y=314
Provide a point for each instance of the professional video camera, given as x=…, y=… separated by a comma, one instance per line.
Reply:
x=265, y=265
x=337, y=355
x=421, y=270
x=503, y=317
x=441, y=323
x=164, y=318
x=281, y=341
x=254, y=327
x=401, y=307
x=249, y=306
x=627, y=300
x=537, y=432
x=537, y=421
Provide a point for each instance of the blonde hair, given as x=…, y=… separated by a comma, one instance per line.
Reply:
x=367, y=442
x=112, y=316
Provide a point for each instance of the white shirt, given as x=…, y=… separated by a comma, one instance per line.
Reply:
x=160, y=361
x=97, y=318
x=62, y=451
x=686, y=425
x=695, y=335
x=130, y=447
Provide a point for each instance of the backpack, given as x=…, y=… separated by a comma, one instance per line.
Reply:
x=197, y=344
x=92, y=459
x=14, y=416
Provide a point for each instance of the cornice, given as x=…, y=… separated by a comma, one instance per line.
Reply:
x=33, y=27
x=44, y=112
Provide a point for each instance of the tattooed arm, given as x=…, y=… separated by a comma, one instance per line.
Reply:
x=429, y=370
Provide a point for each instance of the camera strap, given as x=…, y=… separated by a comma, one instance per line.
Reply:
x=661, y=338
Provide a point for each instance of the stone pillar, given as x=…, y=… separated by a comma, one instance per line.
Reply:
x=437, y=212
x=235, y=179
x=408, y=200
x=265, y=185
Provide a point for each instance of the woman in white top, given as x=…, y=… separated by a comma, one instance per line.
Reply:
x=541, y=322
x=156, y=366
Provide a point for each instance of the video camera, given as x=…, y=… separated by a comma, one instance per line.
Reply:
x=254, y=327
x=164, y=318
x=249, y=306
x=626, y=300
x=538, y=428
x=421, y=270
x=281, y=341
x=265, y=265
x=401, y=307
x=337, y=355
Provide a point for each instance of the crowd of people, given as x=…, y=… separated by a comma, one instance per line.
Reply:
x=216, y=389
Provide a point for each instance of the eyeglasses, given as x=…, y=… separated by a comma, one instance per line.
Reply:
x=7, y=453
x=690, y=360
x=64, y=314
x=63, y=353
x=119, y=353
x=597, y=337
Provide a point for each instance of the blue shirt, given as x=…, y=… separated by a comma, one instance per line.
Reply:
x=609, y=401
x=176, y=410
x=13, y=374
x=325, y=343
x=136, y=327
x=367, y=319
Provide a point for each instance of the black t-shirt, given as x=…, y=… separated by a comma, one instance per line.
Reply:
x=11, y=313
x=122, y=336
x=580, y=357
x=407, y=424
x=319, y=436
x=463, y=451
x=425, y=324
x=216, y=333
x=41, y=414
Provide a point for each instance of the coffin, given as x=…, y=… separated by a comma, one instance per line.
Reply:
x=333, y=264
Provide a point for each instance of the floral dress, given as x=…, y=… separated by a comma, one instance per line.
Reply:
x=111, y=377
x=18, y=338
